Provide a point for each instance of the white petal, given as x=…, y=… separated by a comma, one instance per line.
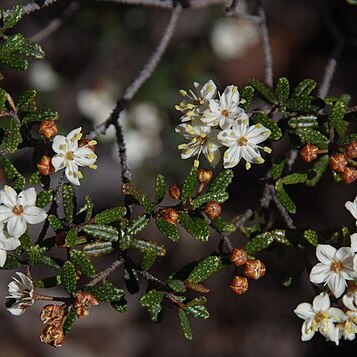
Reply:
x=251, y=154
x=58, y=162
x=321, y=302
x=209, y=90
x=191, y=150
x=72, y=174
x=337, y=284
x=226, y=123
x=345, y=255
x=354, y=242
x=232, y=156
x=227, y=137
x=16, y=226
x=59, y=144
x=34, y=215
x=213, y=157
x=325, y=253
x=3, y=257
x=5, y=213
x=352, y=207
x=84, y=157
x=72, y=141
x=350, y=302
x=11, y=243
x=257, y=134
x=8, y=196
x=337, y=315
x=307, y=333
x=304, y=311
x=16, y=310
x=320, y=273
x=27, y=197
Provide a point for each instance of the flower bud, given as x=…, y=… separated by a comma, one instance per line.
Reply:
x=85, y=300
x=239, y=285
x=52, y=314
x=239, y=257
x=175, y=191
x=48, y=128
x=45, y=166
x=204, y=176
x=81, y=312
x=254, y=269
x=338, y=162
x=88, y=143
x=53, y=336
x=170, y=215
x=349, y=175
x=213, y=210
x=309, y=152
x=351, y=150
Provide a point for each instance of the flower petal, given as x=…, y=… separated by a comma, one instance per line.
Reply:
x=72, y=173
x=251, y=154
x=325, y=253
x=58, y=162
x=8, y=196
x=3, y=257
x=59, y=144
x=337, y=284
x=304, y=311
x=352, y=207
x=5, y=213
x=321, y=302
x=27, y=197
x=72, y=140
x=84, y=157
x=345, y=255
x=232, y=156
x=307, y=332
x=16, y=226
x=34, y=215
x=336, y=314
x=320, y=273
x=257, y=134
x=11, y=243
x=354, y=242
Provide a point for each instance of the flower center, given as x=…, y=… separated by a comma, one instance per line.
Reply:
x=199, y=101
x=225, y=112
x=202, y=139
x=242, y=141
x=69, y=155
x=18, y=210
x=336, y=267
x=320, y=316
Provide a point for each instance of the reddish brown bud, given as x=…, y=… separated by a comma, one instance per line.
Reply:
x=48, y=128
x=309, y=152
x=239, y=285
x=60, y=240
x=52, y=314
x=351, y=150
x=53, y=336
x=175, y=191
x=204, y=176
x=45, y=166
x=254, y=269
x=170, y=215
x=239, y=257
x=349, y=175
x=213, y=210
x=85, y=300
x=81, y=312
x=88, y=143
x=338, y=162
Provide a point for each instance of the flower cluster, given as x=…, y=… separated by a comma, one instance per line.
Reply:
x=210, y=123
x=337, y=268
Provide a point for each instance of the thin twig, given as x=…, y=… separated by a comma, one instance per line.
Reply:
x=33, y=6
x=105, y=273
x=125, y=169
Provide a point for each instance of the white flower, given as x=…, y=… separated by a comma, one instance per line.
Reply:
x=196, y=103
x=21, y=294
x=354, y=242
x=352, y=207
x=335, y=268
x=349, y=329
x=242, y=142
x=6, y=243
x=224, y=111
x=320, y=316
x=70, y=156
x=203, y=139
x=17, y=210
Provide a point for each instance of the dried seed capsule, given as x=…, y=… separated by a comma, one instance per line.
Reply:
x=239, y=257
x=213, y=210
x=52, y=314
x=175, y=191
x=309, y=152
x=239, y=285
x=204, y=176
x=338, y=162
x=48, y=128
x=53, y=336
x=349, y=175
x=254, y=269
x=45, y=166
x=351, y=150
x=170, y=215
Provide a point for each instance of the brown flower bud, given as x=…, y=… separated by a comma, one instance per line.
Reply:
x=48, y=128
x=175, y=191
x=88, y=143
x=52, y=314
x=338, y=162
x=170, y=215
x=349, y=175
x=83, y=299
x=204, y=176
x=254, y=269
x=239, y=285
x=45, y=166
x=351, y=150
x=81, y=312
x=309, y=152
x=239, y=257
x=60, y=240
x=53, y=336
x=213, y=209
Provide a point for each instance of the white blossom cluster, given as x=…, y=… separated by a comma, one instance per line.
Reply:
x=335, y=268
x=210, y=123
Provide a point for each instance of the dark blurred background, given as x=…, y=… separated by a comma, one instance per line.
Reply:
x=89, y=62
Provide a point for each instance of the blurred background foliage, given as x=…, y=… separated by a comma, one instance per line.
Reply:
x=89, y=62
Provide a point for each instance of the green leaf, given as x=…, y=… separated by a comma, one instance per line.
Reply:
x=103, y=232
x=279, y=236
x=167, y=229
x=146, y=245
x=301, y=105
x=152, y=302
x=284, y=198
x=12, y=174
x=312, y=137
x=120, y=306
x=294, y=179
x=106, y=291
x=69, y=277
x=160, y=188
x=27, y=101
x=259, y=242
x=218, y=197
x=319, y=167
x=39, y=116
x=26, y=242
x=34, y=178
x=110, y=215
x=189, y=184
x=204, y=269
x=312, y=237
x=303, y=121
x=137, y=225
x=44, y=198
x=47, y=283
x=337, y=113
x=282, y=89
x=97, y=249
x=70, y=320
x=71, y=237
x=246, y=96
x=277, y=168
x=141, y=197
x=185, y=325
x=262, y=119
x=197, y=309
x=195, y=226
x=264, y=91
x=347, y=139
x=11, y=263
x=82, y=262
x=222, y=225
x=222, y=181
x=55, y=223
x=149, y=259
x=12, y=17
x=304, y=88
x=49, y=263
x=34, y=254
x=12, y=135
x=177, y=285
x=68, y=201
